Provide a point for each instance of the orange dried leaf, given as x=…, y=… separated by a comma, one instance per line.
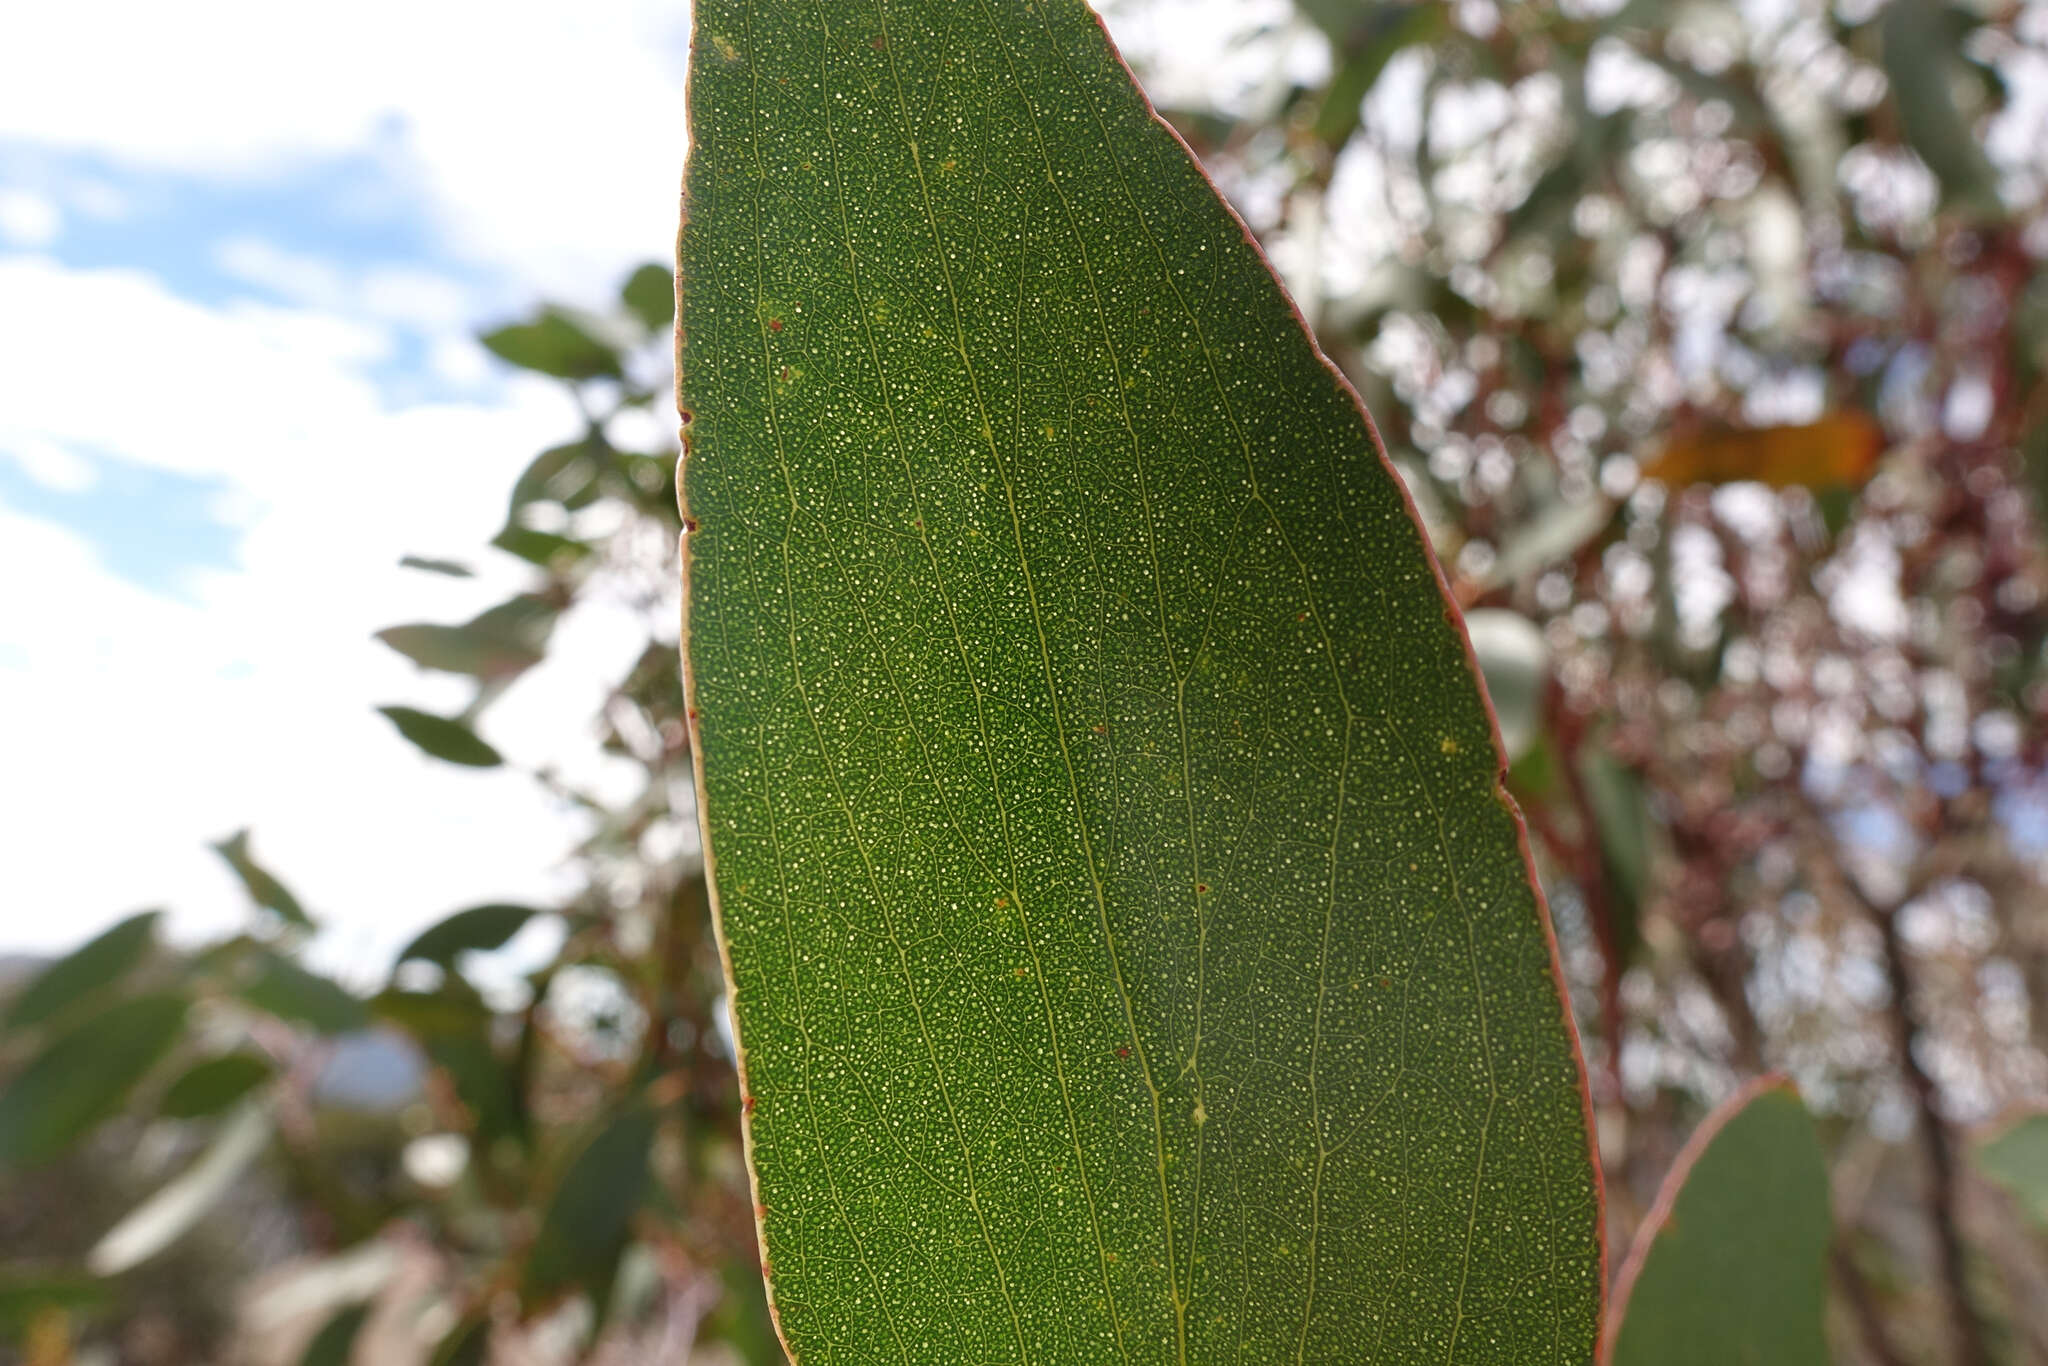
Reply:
x=1839, y=451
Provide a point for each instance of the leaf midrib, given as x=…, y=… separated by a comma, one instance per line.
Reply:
x=1352, y=718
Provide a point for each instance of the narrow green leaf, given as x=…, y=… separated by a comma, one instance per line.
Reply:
x=335, y=1343
x=1133, y=952
x=83, y=1076
x=265, y=890
x=182, y=1201
x=650, y=295
x=25, y=1293
x=1624, y=830
x=454, y=569
x=453, y=1009
x=2017, y=1159
x=1516, y=665
x=443, y=737
x=460, y=650
x=479, y=927
x=1380, y=32
x=541, y=548
x=565, y=474
x=290, y=992
x=592, y=1210
x=1730, y=1269
x=209, y=1087
x=498, y=644
x=486, y=1084
x=86, y=970
x=1920, y=54
x=556, y=344
x=466, y=1343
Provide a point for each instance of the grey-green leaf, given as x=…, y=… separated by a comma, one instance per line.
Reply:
x=85, y=971
x=211, y=1086
x=1134, y=955
x=82, y=1076
x=263, y=888
x=290, y=992
x=1730, y=1269
x=556, y=344
x=592, y=1210
x=2016, y=1157
x=184, y=1200
x=460, y=650
x=335, y=1343
x=443, y=737
x=454, y=569
x=465, y=1344
x=650, y=295
x=1921, y=55
x=479, y=927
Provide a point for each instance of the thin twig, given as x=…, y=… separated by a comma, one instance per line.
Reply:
x=1856, y=1290
x=1965, y=1324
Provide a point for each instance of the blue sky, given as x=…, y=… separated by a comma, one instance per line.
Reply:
x=243, y=255
x=244, y=251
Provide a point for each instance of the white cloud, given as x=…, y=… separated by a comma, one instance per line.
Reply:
x=137, y=727
x=546, y=137
x=28, y=219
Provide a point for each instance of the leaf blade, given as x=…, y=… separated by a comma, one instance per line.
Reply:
x=81, y=1077
x=1731, y=1265
x=479, y=928
x=988, y=696
x=85, y=970
x=443, y=737
x=211, y=1086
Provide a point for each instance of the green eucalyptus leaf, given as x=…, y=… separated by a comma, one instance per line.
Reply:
x=1730, y=1269
x=486, y=1084
x=264, y=889
x=454, y=1008
x=85, y=971
x=183, y=1201
x=288, y=991
x=335, y=1343
x=1366, y=44
x=1134, y=955
x=592, y=1210
x=209, y=1087
x=26, y=1293
x=555, y=343
x=466, y=1344
x=83, y=1075
x=443, y=737
x=1516, y=665
x=1921, y=53
x=1625, y=831
x=461, y=650
x=565, y=474
x=480, y=927
x=649, y=294
x=454, y=569
x=544, y=549
x=2016, y=1157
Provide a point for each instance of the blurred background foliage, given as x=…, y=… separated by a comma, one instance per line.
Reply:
x=1711, y=342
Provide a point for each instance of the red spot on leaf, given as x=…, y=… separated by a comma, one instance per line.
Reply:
x=775, y=324
x=1123, y=1052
